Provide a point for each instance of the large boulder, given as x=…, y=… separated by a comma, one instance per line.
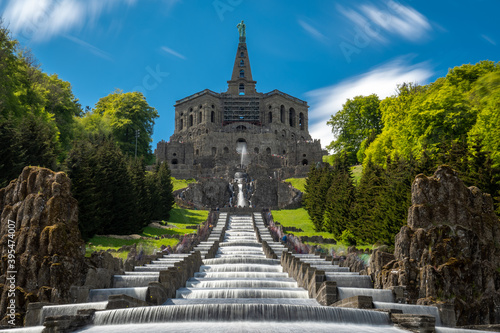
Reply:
x=40, y=217
x=450, y=250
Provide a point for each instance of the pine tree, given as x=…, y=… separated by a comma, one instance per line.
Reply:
x=164, y=192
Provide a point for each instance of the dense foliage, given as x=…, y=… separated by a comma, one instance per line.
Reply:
x=42, y=123
x=454, y=120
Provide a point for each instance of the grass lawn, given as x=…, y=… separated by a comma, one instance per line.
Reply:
x=300, y=219
x=179, y=217
x=298, y=183
x=181, y=183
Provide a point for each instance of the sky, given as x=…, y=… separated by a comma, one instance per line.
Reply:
x=322, y=51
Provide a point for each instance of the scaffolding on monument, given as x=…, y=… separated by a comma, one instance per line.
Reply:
x=240, y=108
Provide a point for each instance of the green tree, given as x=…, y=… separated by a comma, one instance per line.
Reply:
x=163, y=191
x=359, y=119
x=127, y=113
x=317, y=184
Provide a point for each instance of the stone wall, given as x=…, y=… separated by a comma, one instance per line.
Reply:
x=450, y=250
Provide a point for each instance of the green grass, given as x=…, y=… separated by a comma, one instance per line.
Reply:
x=181, y=183
x=298, y=183
x=179, y=218
x=300, y=219
x=357, y=170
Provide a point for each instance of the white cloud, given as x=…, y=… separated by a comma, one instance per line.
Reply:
x=91, y=48
x=41, y=20
x=381, y=81
x=173, y=52
x=489, y=40
x=312, y=31
x=391, y=17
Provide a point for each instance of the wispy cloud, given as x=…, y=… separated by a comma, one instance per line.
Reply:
x=89, y=47
x=382, y=81
x=173, y=52
x=312, y=31
x=387, y=18
x=41, y=20
x=489, y=40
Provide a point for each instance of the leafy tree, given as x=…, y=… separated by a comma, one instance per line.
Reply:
x=317, y=184
x=359, y=119
x=127, y=113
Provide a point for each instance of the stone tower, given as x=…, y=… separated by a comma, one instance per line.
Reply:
x=211, y=129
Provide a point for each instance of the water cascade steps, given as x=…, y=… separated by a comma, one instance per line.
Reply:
x=240, y=286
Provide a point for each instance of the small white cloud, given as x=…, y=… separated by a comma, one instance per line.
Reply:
x=381, y=81
x=91, y=48
x=312, y=31
x=173, y=52
x=489, y=40
x=392, y=17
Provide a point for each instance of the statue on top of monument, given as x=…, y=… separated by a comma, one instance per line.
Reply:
x=241, y=29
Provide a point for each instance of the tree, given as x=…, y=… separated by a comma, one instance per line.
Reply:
x=317, y=184
x=127, y=113
x=163, y=192
x=359, y=119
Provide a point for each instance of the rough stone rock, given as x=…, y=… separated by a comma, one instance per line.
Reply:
x=355, y=260
x=208, y=192
x=49, y=251
x=450, y=250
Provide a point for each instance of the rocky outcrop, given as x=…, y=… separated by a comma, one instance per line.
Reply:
x=40, y=223
x=208, y=193
x=450, y=250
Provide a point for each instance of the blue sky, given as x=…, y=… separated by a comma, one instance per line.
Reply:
x=321, y=51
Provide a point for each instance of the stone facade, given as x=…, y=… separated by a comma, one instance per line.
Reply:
x=210, y=126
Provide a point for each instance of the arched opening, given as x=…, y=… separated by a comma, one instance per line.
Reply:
x=242, y=73
x=214, y=151
x=284, y=152
x=174, y=161
x=242, y=54
x=199, y=118
x=212, y=117
x=304, y=162
x=241, y=128
x=242, y=89
x=190, y=120
x=197, y=152
x=242, y=63
x=282, y=114
x=268, y=151
x=174, y=154
x=181, y=125
x=301, y=121
x=270, y=117
x=241, y=146
x=226, y=150
x=291, y=117
x=256, y=150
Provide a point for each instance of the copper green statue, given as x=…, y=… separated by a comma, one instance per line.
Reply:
x=241, y=29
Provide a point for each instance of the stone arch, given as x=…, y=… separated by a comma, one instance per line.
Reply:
x=301, y=121
x=200, y=117
x=270, y=117
x=174, y=161
x=282, y=114
x=190, y=120
x=268, y=151
x=181, y=124
x=305, y=162
x=241, y=89
x=212, y=117
x=197, y=152
x=256, y=150
x=226, y=150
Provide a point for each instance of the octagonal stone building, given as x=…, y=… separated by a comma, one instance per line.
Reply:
x=217, y=134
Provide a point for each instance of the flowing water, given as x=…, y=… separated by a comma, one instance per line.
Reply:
x=240, y=290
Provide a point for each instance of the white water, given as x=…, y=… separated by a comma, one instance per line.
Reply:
x=241, y=196
x=99, y=295
x=379, y=295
